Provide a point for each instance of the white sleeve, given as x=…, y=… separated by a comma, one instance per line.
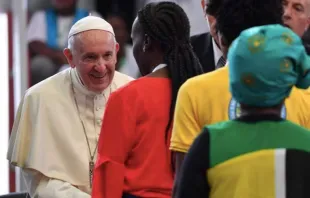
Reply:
x=37, y=27
x=40, y=186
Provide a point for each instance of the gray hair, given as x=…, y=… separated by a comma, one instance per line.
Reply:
x=73, y=38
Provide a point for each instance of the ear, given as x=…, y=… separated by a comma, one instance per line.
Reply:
x=147, y=43
x=67, y=52
x=223, y=44
x=116, y=51
x=116, y=47
x=212, y=24
x=308, y=23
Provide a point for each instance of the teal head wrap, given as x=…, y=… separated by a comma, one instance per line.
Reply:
x=264, y=64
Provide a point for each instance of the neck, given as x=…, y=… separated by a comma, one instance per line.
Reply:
x=155, y=62
x=257, y=111
x=79, y=85
x=162, y=72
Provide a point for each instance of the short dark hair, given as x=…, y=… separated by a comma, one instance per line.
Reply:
x=213, y=6
x=235, y=16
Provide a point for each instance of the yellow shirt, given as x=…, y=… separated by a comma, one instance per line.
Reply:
x=206, y=99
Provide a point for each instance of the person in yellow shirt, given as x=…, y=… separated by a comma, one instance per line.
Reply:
x=206, y=99
x=259, y=154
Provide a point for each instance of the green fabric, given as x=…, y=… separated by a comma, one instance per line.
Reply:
x=265, y=62
x=234, y=138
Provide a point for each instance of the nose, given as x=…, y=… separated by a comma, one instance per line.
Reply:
x=287, y=13
x=100, y=65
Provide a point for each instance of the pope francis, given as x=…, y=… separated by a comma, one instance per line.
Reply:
x=55, y=133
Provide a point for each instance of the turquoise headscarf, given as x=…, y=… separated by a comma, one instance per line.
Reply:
x=264, y=64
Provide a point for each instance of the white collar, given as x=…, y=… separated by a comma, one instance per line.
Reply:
x=216, y=52
x=160, y=66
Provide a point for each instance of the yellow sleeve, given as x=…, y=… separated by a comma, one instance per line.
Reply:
x=305, y=102
x=186, y=126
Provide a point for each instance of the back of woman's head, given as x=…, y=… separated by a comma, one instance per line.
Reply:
x=260, y=74
x=165, y=22
x=168, y=24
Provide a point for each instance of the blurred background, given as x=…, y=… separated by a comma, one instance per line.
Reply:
x=31, y=51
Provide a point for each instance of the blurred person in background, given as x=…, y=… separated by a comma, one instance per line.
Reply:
x=206, y=45
x=129, y=8
x=191, y=8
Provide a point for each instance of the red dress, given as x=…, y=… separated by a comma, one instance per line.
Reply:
x=133, y=155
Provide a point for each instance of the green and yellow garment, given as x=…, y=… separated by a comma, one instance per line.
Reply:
x=251, y=157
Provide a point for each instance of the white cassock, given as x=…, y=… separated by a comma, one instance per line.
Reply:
x=48, y=140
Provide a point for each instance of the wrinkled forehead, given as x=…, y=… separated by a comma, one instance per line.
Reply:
x=94, y=39
x=305, y=3
x=93, y=36
x=301, y=3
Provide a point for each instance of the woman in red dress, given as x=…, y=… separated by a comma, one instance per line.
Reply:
x=133, y=153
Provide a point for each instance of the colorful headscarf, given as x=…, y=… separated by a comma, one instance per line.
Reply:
x=264, y=64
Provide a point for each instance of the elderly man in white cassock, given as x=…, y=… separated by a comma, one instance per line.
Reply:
x=55, y=133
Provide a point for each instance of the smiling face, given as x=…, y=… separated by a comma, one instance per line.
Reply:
x=93, y=53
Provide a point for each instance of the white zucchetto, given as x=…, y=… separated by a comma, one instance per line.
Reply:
x=90, y=23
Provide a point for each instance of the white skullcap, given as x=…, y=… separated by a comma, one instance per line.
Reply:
x=90, y=23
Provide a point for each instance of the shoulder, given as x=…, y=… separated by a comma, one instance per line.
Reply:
x=133, y=85
x=292, y=126
x=303, y=92
x=128, y=88
x=201, y=39
x=299, y=99
x=207, y=80
x=50, y=86
x=197, y=39
x=220, y=126
x=129, y=94
x=223, y=131
x=300, y=134
x=141, y=87
x=300, y=93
